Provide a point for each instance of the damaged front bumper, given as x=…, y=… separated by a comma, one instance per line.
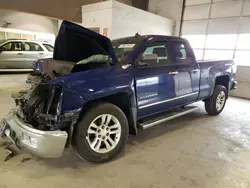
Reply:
x=47, y=144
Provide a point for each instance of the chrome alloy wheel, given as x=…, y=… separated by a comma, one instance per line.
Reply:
x=104, y=133
x=220, y=100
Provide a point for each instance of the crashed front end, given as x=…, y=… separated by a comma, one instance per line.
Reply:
x=37, y=123
x=44, y=117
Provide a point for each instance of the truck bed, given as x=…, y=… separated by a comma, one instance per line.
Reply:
x=209, y=70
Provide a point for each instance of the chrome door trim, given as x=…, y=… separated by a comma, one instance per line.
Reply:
x=168, y=100
x=173, y=73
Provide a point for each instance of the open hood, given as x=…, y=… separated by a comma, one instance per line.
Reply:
x=75, y=43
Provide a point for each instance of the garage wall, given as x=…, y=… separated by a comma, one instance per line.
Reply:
x=171, y=9
x=127, y=21
x=120, y=20
x=243, y=80
x=98, y=15
x=220, y=29
x=61, y=9
x=29, y=22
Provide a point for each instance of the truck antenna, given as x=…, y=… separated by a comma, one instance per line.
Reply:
x=137, y=35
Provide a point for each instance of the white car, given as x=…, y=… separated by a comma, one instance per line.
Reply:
x=20, y=54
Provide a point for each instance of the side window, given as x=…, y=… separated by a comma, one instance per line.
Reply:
x=181, y=52
x=159, y=49
x=31, y=46
x=12, y=46
x=49, y=47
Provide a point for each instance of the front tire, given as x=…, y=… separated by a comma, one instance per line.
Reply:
x=101, y=134
x=216, y=103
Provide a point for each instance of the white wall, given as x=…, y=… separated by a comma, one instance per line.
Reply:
x=168, y=8
x=28, y=22
x=243, y=79
x=123, y=20
x=127, y=21
x=98, y=15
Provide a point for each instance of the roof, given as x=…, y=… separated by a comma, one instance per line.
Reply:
x=150, y=36
x=6, y=40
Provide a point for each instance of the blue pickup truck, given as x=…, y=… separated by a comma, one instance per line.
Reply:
x=94, y=92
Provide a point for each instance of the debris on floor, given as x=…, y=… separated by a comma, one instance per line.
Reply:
x=25, y=159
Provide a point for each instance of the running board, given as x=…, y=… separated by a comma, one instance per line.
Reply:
x=163, y=118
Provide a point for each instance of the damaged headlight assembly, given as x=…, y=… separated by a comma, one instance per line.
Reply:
x=50, y=104
x=50, y=115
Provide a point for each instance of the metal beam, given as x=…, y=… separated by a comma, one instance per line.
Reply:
x=182, y=16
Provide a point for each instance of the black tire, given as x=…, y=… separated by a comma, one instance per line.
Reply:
x=210, y=104
x=80, y=142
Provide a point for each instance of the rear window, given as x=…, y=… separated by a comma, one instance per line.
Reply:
x=49, y=47
x=32, y=46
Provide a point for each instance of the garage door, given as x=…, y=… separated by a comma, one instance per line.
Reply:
x=218, y=29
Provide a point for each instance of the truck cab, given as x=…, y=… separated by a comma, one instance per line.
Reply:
x=94, y=92
x=169, y=81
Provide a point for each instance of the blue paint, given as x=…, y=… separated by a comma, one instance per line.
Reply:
x=144, y=85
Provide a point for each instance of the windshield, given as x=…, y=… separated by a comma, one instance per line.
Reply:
x=123, y=47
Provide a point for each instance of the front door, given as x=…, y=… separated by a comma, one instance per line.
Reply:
x=12, y=55
x=156, y=84
x=188, y=72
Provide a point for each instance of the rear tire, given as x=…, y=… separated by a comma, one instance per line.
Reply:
x=101, y=134
x=216, y=103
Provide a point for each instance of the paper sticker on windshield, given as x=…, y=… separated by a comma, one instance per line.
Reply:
x=126, y=46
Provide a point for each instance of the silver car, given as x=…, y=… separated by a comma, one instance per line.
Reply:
x=20, y=54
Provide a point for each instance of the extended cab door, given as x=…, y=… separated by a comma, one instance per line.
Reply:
x=156, y=84
x=188, y=72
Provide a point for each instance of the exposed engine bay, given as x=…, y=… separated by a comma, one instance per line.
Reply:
x=55, y=68
x=36, y=100
x=39, y=104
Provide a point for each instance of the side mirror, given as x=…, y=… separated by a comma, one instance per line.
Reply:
x=148, y=59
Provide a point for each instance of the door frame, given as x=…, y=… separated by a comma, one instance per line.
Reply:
x=192, y=65
x=169, y=64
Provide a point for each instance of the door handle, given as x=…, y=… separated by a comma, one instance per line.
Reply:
x=195, y=70
x=19, y=53
x=173, y=73
x=40, y=53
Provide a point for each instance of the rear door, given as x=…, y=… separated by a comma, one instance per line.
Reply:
x=156, y=84
x=188, y=72
x=12, y=55
x=33, y=51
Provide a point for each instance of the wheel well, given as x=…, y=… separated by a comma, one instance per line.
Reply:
x=222, y=80
x=123, y=101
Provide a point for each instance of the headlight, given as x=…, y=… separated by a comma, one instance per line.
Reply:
x=47, y=97
x=54, y=100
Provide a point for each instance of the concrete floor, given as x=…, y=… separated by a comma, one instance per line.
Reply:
x=196, y=150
